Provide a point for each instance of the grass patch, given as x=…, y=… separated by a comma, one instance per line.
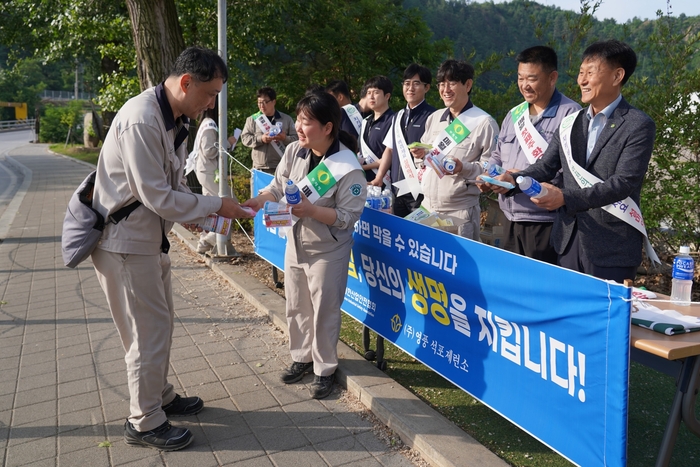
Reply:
x=651, y=395
x=77, y=151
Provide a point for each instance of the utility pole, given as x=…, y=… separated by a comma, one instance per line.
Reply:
x=224, y=248
x=77, y=71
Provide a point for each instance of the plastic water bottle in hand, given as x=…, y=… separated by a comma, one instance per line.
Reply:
x=531, y=187
x=493, y=170
x=682, y=282
x=292, y=193
x=275, y=130
x=449, y=164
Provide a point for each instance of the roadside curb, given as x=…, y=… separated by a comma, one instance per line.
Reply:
x=439, y=441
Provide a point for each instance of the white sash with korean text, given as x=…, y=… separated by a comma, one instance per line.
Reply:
x=410, y=184
x=326, y=174
x=369, y=156
x=531, y=141
x=456, y=132
x=626, y=209
x=264, y=124
x=191, y=161
x=354, y=116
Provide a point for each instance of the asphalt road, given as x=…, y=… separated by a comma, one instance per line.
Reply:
x=11, y=177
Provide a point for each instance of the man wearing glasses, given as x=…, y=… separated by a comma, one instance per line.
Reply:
x=465, y=133
x=267, y=149
x=408, y=127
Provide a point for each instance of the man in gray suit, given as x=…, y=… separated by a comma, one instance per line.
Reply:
x=604, y=151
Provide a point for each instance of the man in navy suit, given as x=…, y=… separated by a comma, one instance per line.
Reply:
x=598, y=228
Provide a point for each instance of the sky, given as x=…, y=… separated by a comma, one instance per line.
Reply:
x=624, y=10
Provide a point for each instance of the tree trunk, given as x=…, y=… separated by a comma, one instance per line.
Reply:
x=157, y=38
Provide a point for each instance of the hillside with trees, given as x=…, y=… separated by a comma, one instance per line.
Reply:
x=480, y=30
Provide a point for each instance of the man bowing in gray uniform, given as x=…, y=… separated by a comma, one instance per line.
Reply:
x=142, y=161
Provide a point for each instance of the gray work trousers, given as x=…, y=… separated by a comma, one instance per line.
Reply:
x=315, y=287
x=140, y=298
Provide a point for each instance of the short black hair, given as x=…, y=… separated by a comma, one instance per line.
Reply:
x=415, y=69
x=203, y=64
x=324, y=108
x=363, y=91
x=380, y=82
x=454, y=70
x=314, y=87
x=615, y=53
x=541, y=55
x=268, y=92
x=338, y=87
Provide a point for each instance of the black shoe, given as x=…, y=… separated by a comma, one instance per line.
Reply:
x=321, y=387
x=166, y=437
x=183, y=406
x=297, y=371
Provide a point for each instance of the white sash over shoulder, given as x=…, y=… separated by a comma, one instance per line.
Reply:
x=626, y=209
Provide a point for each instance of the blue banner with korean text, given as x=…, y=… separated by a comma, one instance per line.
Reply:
x=268, y=244
x=545, y=347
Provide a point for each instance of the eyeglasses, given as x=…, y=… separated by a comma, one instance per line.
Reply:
x=448, y=84
x=412, y=84
x=263, y=102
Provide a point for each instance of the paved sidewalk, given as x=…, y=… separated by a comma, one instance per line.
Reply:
x=63, y=381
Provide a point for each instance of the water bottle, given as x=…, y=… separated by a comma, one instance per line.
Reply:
x=531, y=187
x=386, y=200
x=449, y=164
x=370, y=197
x=374, y=194
x=292, y=193
x=376, y=198
x=275, y=130
x=682, y=282
x=493, y=170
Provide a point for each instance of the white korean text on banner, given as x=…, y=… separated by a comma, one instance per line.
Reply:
x=545, y=347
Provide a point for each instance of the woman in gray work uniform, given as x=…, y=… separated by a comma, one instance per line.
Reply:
x=318, y=245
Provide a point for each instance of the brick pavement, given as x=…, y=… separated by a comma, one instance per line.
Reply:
x=63, y=381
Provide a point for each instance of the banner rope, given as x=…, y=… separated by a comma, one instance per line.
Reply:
x=231, y=160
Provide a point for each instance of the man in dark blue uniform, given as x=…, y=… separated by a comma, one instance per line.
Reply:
x=408, y=124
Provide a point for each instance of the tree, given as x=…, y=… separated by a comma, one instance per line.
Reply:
x=157, y=38
x=290, y=45
x=671, y=193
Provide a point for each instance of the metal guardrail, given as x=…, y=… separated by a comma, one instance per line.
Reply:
x=7, y=125
x=65, y=95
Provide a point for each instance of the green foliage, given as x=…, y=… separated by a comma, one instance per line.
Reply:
x=663, y=85
x=62, y=34
x=21, y=83
x=56, y=122
x=289, y=46
x=241, y=184
x=671, y=193
x=77, y=151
